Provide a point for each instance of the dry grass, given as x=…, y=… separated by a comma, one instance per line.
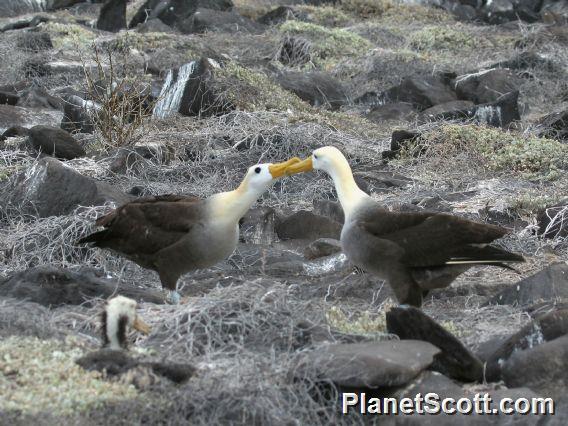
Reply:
x=123, y=101
x=245, y=333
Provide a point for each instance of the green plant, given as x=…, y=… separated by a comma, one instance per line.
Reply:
x=69, y=36
x=367, y=8
x=492, y=149
x=326, y=16
x=250, y=90
x=327, y=44
x=364, y=323
x=444, y=38
x=40, y=375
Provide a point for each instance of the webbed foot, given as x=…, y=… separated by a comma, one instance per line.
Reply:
x=173, y=297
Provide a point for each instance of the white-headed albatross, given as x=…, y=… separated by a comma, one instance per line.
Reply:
x=173, y=235
x=414, y=251
x=113, y=359
x=120, y=314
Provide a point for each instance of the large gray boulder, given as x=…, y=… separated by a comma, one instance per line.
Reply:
x=550, y=284
x=542, y=368
x=50, y=188
x=113, y=16
x=171, y=12
x=51, y=286
x=543, y=329
x=367, y=365
x=487, y=85
x=215, y=20
x=317, y=88
x=55, y=142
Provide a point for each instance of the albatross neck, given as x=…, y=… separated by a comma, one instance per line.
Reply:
x=350, y=195
x=233, y=205
x=113, y=331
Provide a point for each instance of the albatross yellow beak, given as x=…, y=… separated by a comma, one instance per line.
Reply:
x=141, y=326
x=302, y=166
x=279, y=169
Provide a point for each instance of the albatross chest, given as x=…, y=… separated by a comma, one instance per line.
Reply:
x=367, y=252
x=217, y=241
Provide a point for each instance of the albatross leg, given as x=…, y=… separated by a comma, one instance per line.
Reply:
x=169, y=283
x=406, y=289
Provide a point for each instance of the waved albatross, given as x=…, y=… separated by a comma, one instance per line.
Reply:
x=173, y=235
x=414, y=251
x=118, y=316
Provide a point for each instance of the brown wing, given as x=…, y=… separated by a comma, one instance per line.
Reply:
x=148, y=225
x=433, y=239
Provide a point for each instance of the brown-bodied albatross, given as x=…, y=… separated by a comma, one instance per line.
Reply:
x=414, y=251
x=173, y=235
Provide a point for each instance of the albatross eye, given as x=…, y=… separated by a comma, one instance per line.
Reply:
x=315, y=157
x=257, y=170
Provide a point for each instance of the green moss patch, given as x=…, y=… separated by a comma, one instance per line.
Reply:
x=531, y=203
x=328, y=44
x=433, y=38
x=141, y=41
x=414, y=14
x=364, y=323
x=69, y=36
x=326, y=16
x=351, y=124
x=41, y=376
x=367, y=8
x=250, y=90
x=496, y=150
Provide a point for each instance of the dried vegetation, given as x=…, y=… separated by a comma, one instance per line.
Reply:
x=245, y=333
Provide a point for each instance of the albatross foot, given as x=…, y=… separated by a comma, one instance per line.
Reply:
x=173, y=297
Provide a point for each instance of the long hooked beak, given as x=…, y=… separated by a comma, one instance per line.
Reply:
x=279, y=169
x=303, y=166
x=141, y=326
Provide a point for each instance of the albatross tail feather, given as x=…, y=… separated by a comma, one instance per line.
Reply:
x=486, y=255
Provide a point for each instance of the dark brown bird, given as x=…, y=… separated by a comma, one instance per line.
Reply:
x=414, y=252
x=173, y=235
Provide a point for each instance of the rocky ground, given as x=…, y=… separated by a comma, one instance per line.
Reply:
x=444, y=105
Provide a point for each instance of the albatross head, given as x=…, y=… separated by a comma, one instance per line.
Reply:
x=260, y=176
x=118, y=316
x=333, y=162
x=329, y=159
